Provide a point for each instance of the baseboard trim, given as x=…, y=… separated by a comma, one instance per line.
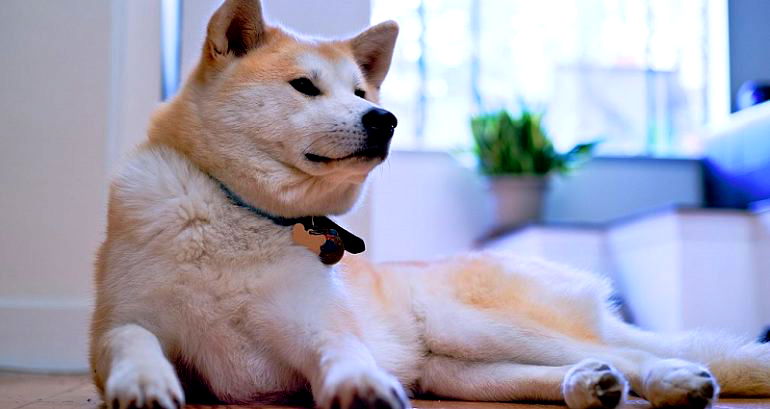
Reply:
x=44, y=335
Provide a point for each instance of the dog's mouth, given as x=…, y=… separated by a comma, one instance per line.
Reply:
x=368, y=153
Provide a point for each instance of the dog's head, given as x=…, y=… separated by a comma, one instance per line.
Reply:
x=291, y=124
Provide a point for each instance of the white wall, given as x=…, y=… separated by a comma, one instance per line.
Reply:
x=76, y=97
x=135, y=74
x=54, y=106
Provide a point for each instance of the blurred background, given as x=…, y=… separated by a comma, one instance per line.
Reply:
x=626, y=137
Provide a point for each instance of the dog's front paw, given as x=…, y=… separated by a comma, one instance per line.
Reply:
x=143, y=385
x=673, y=382
x=348, y=388
x=592, y=384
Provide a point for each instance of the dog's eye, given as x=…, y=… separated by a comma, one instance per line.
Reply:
x=360, y=93
x=305, y=86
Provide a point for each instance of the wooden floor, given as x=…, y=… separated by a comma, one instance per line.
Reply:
x=76, y=392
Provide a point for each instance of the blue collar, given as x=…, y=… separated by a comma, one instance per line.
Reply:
x=279, y=220
x=353, y=243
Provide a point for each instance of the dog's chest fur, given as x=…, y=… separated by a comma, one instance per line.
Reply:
x=212, y=279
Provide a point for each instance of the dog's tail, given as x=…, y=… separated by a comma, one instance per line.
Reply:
x=741, y=366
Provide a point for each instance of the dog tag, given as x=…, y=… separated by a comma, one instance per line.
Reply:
x=326, y=243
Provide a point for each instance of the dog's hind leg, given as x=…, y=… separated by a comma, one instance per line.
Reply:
x=742, y=367
x=462, y=332
x=588, y=384
x=132, y=370
x=474, y=335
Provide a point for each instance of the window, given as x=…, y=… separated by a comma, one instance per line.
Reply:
x=632, y=73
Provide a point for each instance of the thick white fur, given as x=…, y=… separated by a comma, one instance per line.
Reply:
x=188, y=283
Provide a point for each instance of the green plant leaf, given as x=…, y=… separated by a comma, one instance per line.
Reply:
x=505, y=144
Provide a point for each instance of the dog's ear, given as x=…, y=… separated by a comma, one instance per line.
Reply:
x=234, y=29
x=373, y=50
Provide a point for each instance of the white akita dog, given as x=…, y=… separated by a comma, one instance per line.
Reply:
x=203, y=278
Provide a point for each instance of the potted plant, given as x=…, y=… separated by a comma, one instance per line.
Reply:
x=517, y=156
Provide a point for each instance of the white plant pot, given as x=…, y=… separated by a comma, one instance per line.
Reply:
x=518, y=198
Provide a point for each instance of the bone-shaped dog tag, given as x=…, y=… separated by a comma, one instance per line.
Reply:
x=326, y=243
x=302, y=237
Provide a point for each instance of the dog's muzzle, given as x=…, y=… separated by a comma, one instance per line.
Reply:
x=379, y=125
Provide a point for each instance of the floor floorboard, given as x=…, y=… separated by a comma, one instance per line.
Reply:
x=76, y=392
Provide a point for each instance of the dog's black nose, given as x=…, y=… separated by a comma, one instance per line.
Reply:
x=379, y=124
